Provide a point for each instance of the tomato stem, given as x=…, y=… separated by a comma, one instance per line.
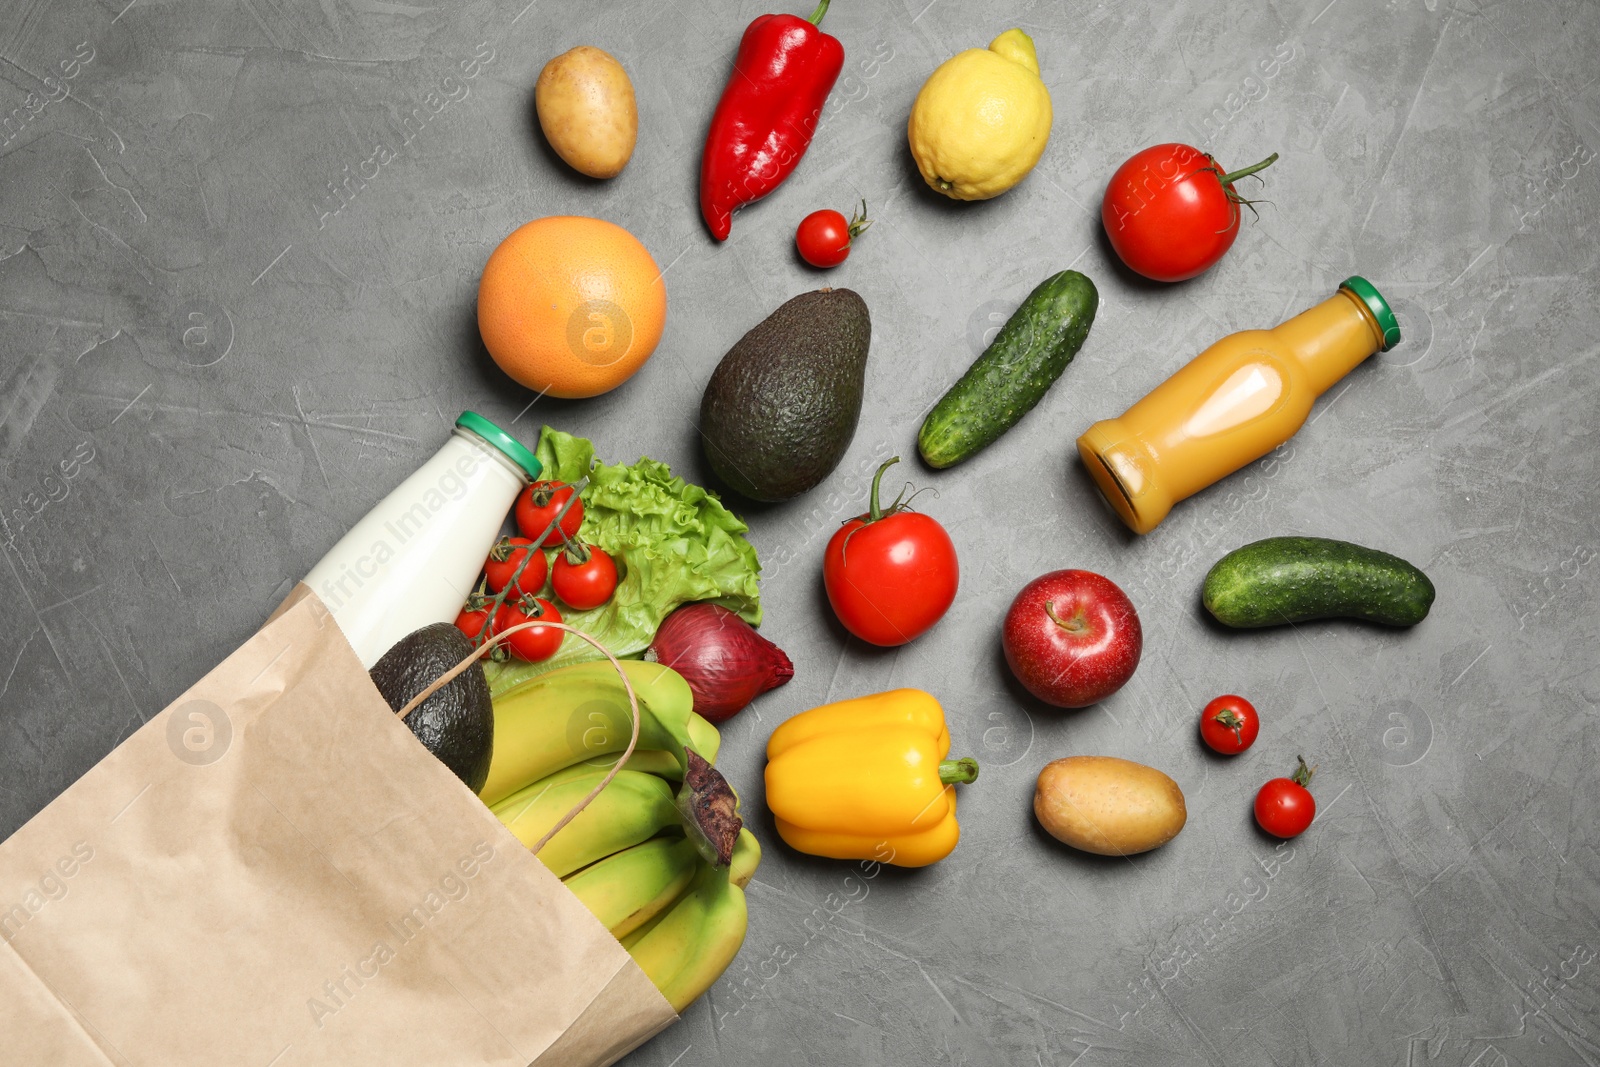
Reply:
x=962, y=770
x=1230, y=719
x=1229, y=179
x=874, y=508
x=858, y=223
x=529, y=605
x=1302, y=774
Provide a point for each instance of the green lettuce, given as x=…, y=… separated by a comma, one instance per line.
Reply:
x=673, y=543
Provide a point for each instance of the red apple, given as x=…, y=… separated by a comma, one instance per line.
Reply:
x=1072, y=638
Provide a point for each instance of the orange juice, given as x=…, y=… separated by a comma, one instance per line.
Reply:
x=1232, y=404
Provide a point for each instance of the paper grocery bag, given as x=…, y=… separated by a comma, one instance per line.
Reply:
x=273, y=871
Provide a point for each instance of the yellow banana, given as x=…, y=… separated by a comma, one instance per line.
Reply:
x=579, y=712
x=693, y=943
x=628, y=889
x=633, y=808
x=746, y=858
x=703, y=738
x=631, y=939
x=649, y=760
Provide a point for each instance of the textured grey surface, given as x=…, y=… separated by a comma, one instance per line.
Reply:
x=233, y=372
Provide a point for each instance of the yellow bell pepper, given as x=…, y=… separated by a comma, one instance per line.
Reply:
x=868, y=779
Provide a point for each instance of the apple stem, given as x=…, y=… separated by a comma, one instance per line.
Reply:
x=1075, y=625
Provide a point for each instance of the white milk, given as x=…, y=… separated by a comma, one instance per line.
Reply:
x=414, y=558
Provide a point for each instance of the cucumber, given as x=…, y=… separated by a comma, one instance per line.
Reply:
x=1014, y=372
x=1292, y=579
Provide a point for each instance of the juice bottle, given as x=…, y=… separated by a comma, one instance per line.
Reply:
x=1232, y=404
x=413, y=559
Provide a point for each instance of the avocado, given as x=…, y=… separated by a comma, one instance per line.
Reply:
x=456, y=724
x=782, y=406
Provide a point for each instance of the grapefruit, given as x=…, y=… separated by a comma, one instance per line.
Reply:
x=571, y=307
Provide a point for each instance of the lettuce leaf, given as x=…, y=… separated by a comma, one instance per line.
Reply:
x=673, y=543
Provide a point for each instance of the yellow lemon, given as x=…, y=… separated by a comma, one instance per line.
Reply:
x=982, y=119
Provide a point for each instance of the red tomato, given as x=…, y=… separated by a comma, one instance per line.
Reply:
x=1284, y=806
x=824, y=237
x=890, y=574
x=1171, y=212
x=506, y=560
x=474, y=620
x=537, y=642
x=538, y=507
x=584, y=576
x=1230, y=724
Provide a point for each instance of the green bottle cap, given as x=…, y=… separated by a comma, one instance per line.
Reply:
x=515, y=450
x=1369, y=295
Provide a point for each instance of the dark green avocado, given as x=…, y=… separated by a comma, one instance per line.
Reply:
x=456, y=724
x=781, y=408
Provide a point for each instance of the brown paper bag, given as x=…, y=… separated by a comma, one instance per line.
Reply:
x=273, y=871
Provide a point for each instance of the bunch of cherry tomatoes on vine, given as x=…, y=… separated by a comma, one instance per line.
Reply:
x=580, y=575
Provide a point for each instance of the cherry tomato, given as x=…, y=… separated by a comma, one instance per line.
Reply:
x=1230, y=724
x=1284, y=806
x=474, y=619
x=538, y=507
x=584, y=576
x=824, y=237
x=537, y=642
x=890, y=574
x=1171, y=212
x=506, y=559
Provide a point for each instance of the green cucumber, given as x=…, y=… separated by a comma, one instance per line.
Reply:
x=1014, y=372
x=1292, y=579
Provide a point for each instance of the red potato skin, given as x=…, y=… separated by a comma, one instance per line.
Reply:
x=1080, y=664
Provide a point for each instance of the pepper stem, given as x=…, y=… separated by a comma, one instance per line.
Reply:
x=816, y=16
x=875, y=509
x=1229, y=179
x=962, y=770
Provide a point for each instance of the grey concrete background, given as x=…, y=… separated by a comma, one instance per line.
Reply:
x=208, y=375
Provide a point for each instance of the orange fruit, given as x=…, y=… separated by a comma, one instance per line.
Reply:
x=570, y=306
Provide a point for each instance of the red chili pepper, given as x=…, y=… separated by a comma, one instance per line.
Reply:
x=782, y=75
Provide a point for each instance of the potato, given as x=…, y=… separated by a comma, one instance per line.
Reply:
x=1110, y=806
x=587, y=111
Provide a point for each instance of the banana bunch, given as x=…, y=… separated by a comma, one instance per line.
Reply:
x=662, y=865
x=580, y=713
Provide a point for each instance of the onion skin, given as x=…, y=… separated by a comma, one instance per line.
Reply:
x=726, y=663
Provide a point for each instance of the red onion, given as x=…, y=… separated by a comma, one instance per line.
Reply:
x=726, y=663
